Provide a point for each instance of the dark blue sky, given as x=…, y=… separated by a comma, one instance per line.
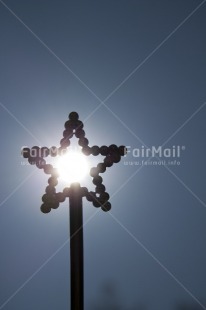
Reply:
x=144, y=62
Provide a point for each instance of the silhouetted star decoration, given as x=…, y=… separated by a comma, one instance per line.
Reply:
x=74, y=127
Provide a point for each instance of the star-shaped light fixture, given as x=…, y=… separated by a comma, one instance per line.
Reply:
x=74, y=127
x=51, y=199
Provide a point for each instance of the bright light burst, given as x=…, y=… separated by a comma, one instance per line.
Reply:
x=72, y=167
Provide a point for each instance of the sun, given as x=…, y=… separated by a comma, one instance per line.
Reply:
x=72, y=167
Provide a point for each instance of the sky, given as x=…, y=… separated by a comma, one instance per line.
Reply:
x=135, y=72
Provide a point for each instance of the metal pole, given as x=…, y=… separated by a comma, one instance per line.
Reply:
x=76, y=249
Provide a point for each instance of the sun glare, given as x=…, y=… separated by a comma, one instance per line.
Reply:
x=72, y=167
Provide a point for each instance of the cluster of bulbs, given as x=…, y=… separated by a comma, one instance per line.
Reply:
x=74, y=127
